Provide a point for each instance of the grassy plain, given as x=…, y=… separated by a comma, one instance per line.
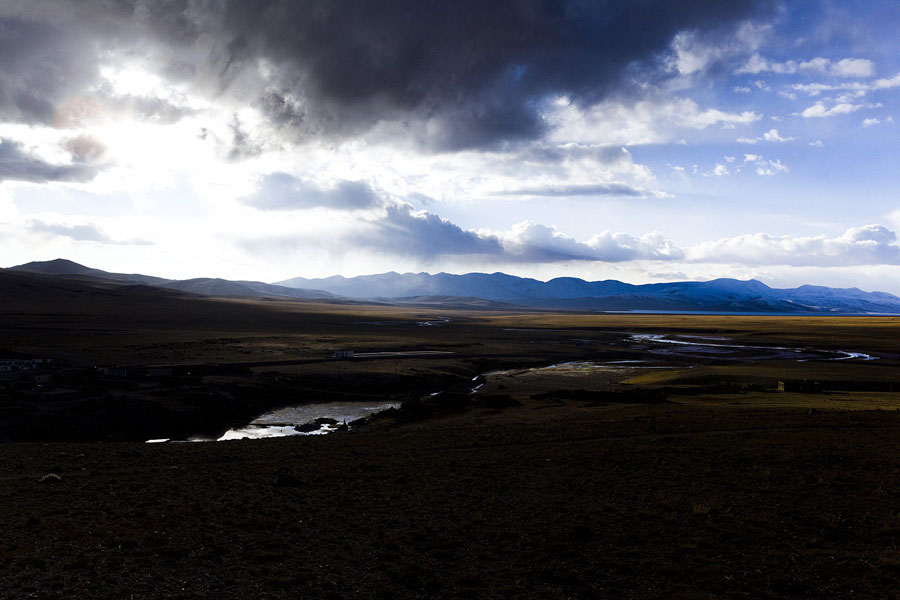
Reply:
x=728, y=488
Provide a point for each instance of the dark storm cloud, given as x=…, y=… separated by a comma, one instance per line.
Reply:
x=40, y=65
x=50, y=54
x=280, y=191
x=403, y=231
x=475, y=72
x=452, y=73
x=18, y=165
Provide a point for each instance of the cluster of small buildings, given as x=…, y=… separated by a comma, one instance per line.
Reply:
x=112, y=371
x=15, y=365
x=36, y=371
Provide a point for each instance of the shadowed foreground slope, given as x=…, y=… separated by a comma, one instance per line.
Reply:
x=642, y=502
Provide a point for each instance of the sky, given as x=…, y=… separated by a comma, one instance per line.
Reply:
x=643, y=141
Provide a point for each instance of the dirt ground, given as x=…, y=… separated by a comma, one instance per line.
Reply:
x=546, y=500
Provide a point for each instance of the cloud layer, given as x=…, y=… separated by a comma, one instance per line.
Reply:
x=282, y=191
x=464, y=74
x=867, y=245
x=845, y=67
x=473, y=73
x=83, y=232
x=17, y=164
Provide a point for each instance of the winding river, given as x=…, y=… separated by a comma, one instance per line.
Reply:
x=290, y=421
x=713, y=345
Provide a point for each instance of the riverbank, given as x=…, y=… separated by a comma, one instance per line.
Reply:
x=548, y=499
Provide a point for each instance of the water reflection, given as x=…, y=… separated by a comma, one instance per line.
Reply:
x=287, y=421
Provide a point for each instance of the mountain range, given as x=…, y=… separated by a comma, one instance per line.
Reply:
x=499, y=290
x=719, y=295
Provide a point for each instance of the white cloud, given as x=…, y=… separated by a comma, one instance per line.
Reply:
x=818, y=109
x=642, y=122
x=770, y=167
x=874, y=121
x=853, y=67
x=531, y=242
x=692, y=53
x=867, y=245
x=720, y=170
x=691, y=56
x=816, y=144
x=860, y=87
x=765, y=167
x=770, y=136
x=400, y=230
x=886, y=83
x=773, y=136
x=740, y=89
x=845, y=67
x=755, y=64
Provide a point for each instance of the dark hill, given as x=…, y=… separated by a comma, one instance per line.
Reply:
x=63, y=267
x=205, y=286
